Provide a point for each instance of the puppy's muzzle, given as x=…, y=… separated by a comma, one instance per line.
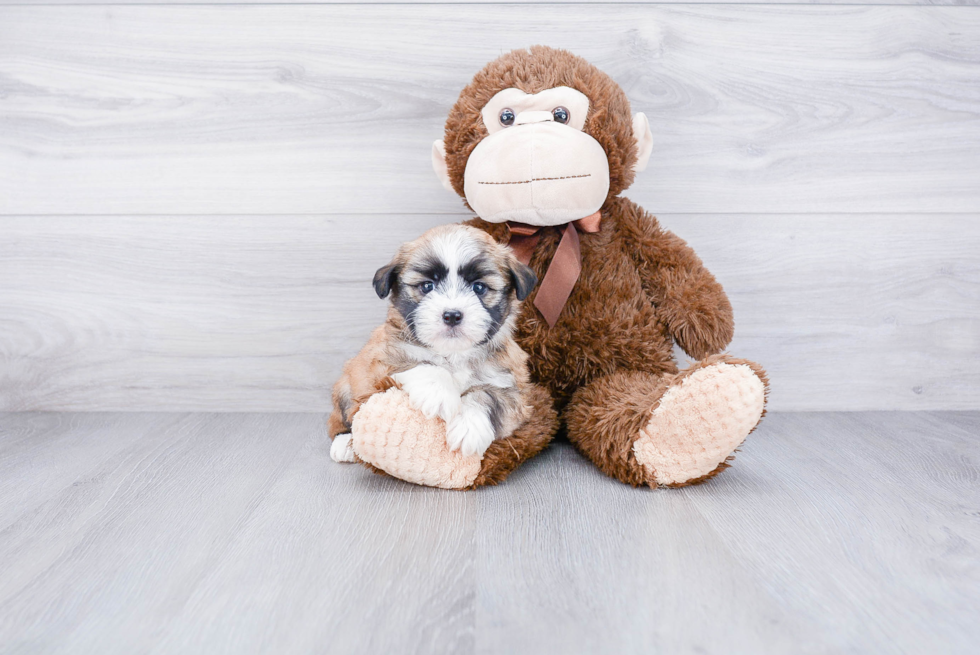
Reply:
x=452, y=317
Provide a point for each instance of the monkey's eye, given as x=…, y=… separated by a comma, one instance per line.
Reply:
x=507, y=117
x=561, y=115
x=479, y=288
x=426, y=287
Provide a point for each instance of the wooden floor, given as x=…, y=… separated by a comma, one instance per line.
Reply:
x=235, y=533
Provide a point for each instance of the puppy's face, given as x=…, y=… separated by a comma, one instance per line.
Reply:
x=455, y=287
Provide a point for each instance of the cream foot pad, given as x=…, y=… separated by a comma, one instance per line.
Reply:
x=396, y=438
x=699, y=423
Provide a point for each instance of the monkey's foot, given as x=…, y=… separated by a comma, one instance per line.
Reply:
x=699, y=422
x=391, y=435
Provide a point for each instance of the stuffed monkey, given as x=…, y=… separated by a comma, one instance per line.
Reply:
x=540, y=146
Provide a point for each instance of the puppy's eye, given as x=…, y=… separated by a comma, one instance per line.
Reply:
x=561, y=115
x=479, y=288
x=507, y=117
x=426, y=287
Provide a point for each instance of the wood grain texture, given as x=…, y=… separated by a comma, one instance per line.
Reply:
x=828, y=536
x=259, y=313
x=833, y=533
x=199, y=312
x=482, y=2
x=332, y=109
x=127, y=548
x=862, y=502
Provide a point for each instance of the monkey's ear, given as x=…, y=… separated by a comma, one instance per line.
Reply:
x=523, y=279
x=440, y=166
x=644, y=141
x=385, y=279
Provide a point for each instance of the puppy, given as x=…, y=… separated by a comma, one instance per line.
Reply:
x=447, y=342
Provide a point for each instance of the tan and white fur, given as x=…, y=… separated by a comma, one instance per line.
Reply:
x=447, y=342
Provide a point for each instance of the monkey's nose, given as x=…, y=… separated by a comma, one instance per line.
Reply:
x=452, y=317
x=526, y=117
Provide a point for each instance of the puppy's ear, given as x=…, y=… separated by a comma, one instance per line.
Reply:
x=384, y=279
x=523, y=279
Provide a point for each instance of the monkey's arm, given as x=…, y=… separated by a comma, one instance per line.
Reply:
x=690, y=300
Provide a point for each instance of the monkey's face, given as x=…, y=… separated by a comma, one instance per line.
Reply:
x=536, y=165
x=541, y=154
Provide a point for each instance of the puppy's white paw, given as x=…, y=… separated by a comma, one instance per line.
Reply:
x=341, y=449
x=470, y=432
x=431, y=390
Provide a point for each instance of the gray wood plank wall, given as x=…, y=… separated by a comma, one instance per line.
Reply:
x=193, y=198
x=477, y=2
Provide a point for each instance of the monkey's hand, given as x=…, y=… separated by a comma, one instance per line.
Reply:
x=471, y=431
x=431, y=390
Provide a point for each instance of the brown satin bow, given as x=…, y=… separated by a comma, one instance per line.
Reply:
x=565, y=266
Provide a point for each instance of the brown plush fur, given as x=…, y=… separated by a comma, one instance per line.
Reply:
x=609, y=358
x=641, y=289
x=607, y=414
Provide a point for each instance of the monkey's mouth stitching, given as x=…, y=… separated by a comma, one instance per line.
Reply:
x=541, y=179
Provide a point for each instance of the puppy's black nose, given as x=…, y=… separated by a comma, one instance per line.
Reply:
x=452, y=317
